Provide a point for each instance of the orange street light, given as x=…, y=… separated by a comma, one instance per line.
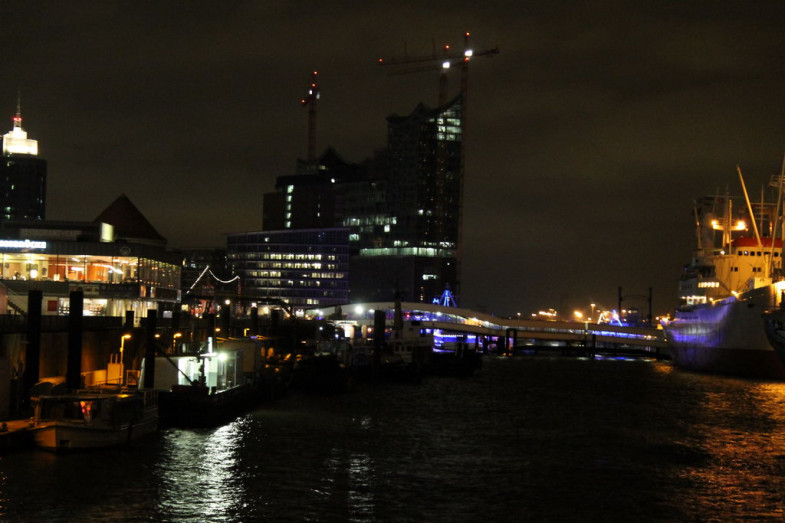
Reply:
x=122, y=344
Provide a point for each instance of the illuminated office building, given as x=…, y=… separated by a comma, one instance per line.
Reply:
x=305, y=268
x=402, y=207
x=414, y=244
x=22, y=176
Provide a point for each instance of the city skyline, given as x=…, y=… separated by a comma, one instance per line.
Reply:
x=589, y=134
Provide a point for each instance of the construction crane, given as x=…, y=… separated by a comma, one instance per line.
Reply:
x=310, y=100
x=447, y=58
x=445, y=62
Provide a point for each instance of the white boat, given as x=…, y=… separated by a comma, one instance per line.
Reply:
x=732, y=279
x=93, y=418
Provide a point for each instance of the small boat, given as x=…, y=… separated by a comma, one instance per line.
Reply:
x=211, y=388
x=94, y=418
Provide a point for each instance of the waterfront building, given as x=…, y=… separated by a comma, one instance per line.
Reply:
x=402, y=207
x=304, y=268
x=116, y=275
x=22, y=176
x=412, y=247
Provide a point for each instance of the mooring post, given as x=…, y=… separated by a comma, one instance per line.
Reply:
x=32, y=369
x=73, y=375
x=254, y=321
x=149, y=353
x=379, y=318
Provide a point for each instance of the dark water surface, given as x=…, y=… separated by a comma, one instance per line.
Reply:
x=530, y=438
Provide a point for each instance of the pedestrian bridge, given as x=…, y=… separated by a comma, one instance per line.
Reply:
x=459, y=321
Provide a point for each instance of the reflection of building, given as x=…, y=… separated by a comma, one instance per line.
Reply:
x=57, y=257
x=22, y=176
x=305, y=268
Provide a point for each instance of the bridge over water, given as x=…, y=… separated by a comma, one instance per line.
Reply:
x=456, y=321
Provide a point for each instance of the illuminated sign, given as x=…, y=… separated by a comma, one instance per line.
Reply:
x=22, y=244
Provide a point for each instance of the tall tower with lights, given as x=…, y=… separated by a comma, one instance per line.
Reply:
x=22, y=176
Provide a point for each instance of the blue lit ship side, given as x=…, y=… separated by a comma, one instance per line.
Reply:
x=732, y=279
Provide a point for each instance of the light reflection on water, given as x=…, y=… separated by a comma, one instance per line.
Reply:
x=198, y=472
x=528, y=439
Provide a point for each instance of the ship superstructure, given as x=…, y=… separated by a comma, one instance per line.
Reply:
x=734, y=275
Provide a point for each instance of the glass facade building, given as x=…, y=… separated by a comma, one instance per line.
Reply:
x=114, y=276
x=402, y=207
x=305, y=268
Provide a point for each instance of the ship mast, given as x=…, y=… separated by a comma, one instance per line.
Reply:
x=749, y=207
x=777, y=216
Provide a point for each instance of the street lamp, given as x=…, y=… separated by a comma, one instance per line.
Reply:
x=121, y=361
x=174, y=341
x=122, y=344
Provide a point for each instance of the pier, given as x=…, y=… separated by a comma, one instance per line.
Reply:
x=510, y=334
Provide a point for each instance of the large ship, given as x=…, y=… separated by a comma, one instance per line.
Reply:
x=734, y=276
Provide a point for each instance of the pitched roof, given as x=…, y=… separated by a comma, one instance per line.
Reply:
x=128, y=222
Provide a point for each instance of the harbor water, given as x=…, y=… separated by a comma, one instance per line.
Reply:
x=531, y=438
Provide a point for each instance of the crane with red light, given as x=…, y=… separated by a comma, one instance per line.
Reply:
x=310, y=100
x=446, y=59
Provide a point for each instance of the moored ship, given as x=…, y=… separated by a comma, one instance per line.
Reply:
x=734, y=276
x=87, y=419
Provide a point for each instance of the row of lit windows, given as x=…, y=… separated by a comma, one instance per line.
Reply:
x=708, y=284
x=314, y=275
x=408, y=251
x=296, y=266
x=276, y=256
x=288, y=266
x=295, y=284
x=98, y=269
x=370, y=220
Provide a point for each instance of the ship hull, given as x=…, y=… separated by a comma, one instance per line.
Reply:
x=727, y=337
x=774, y=320
x=59, y=436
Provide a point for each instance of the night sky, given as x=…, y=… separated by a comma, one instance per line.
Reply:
x=589, y=136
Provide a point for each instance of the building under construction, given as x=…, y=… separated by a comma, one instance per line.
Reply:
x=402, y=206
